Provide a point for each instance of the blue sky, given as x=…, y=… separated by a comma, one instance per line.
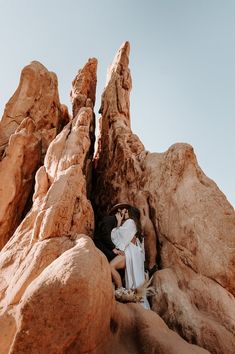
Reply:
x=182, y=64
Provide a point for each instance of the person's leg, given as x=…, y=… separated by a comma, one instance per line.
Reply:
x=117, y=263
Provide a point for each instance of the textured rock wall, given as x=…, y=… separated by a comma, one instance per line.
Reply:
x=70, y=308
x=32, y=118
x=135, y=330
x=60, y=302
x=60, y=213
x=182, y=212
x=56, y=294
x=197, y=235
x=36, y=97
x=119, y=176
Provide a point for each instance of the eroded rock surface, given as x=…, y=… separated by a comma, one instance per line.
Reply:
x=183, y=213
x=71, y=305
x=59, y=304
x=56, y=293
x=60, y=212
x=150, y=334
x=32, y=118
x=37, y=98
x=17, y=170
x=118, y=172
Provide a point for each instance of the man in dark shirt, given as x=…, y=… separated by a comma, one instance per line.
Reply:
x=103, y=237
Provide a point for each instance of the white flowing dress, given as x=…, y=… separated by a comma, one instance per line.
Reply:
x=134, y=254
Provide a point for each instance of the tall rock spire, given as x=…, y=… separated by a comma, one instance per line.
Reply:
x=83, y=94
x=184, y=216
x=60, y=213
x=116, y=95
x=84, y=87
x=119, y=176
x=32, y=118
x=56, y=291
x=37, y=98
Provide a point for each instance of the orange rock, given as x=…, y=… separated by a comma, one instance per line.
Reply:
x=17, y=169
x=56, y=294
x=139, y=331
x=84, y=87
x=118, y=171
x=183, y=212
x=196, y=307
x=70, y=307
x=83, y=95
x=60, y=212
x=37, y=98
x=32, y=118
x=63, y=309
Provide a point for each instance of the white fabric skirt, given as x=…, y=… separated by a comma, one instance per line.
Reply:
x=134, y=272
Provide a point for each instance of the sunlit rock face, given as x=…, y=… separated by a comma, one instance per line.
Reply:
x=119, y=176
x=37, y=98
x=59, y=214
x=56, y=293
x=69, y=308
x=31, y=120
x=65, y=304
x=184, y=215
x=195, y=288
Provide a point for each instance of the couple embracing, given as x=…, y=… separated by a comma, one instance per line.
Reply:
x=120, y=239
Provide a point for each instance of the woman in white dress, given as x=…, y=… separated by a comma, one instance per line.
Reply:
x=127, y=238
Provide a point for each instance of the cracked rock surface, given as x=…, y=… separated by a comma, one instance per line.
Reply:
x=31, y=120
x=56, y=293
x=188, y=224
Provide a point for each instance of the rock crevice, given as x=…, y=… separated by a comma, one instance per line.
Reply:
x=192, y=223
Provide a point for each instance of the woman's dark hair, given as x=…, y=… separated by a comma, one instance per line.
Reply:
x=134, y=214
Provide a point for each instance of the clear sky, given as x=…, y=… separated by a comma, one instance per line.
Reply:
x=182, y=64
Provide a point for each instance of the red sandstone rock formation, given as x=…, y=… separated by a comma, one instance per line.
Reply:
x=56, y=293
x=17, y=171
x=83, y=95
x=32, y=118
x=70, y=308
x=60, y=212
x=55, y=285
x=182, y=211
x=118, y=170
x=37, y=98
x=84, y=87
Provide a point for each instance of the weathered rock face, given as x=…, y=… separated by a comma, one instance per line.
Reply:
x=56, y=293
x=118, y=171
x=31, y=120
x=84, y=87
x=83, y=95
x=37, y=98
x=182, y=211
x=17, y=171
x=60, y=212
x=197, y=236
x=151, y=335
x=64, y=296
x=69, y=308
